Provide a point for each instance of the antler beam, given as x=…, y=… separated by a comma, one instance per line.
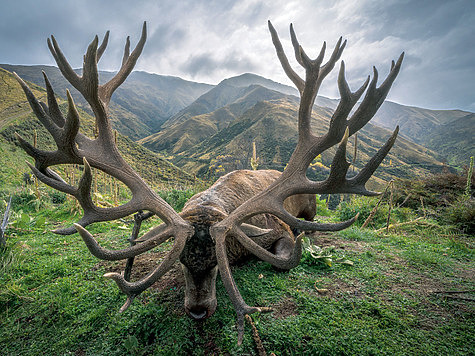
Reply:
x=294, y=180
x=102, y=153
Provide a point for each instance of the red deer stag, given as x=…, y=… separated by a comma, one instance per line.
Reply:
x=243, y=213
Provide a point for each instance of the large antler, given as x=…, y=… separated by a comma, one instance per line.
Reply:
x=294, y=180
x=102, y=153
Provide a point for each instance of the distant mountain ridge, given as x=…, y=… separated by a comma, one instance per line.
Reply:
x=206, y=117
x=272, y=125
x=229, y=91
x=138, y=107
x=454, y=140
x=427, y=127
x=171, y=115
x=16, y=116
x=213, y=116
x=247, y=79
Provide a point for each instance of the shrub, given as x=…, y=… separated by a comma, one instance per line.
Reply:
x=436, y=190
x=461, y=214
x=177, y=198
x=57, y=197
x=322, y=209
x=362, y=205
x=23, y=198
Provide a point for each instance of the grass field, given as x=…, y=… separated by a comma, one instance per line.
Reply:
x=410, y=291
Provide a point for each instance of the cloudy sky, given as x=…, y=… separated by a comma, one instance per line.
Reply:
x=208, y=41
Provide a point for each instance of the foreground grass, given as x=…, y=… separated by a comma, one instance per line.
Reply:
x=54, y=300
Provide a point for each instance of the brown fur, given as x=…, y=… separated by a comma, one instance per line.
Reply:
x=213, y=205
x=233, y=189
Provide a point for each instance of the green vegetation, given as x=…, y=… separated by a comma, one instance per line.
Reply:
x=403, y=285
x=16, y=116
x=138, y=107
x=230, y=146
x=406, y=291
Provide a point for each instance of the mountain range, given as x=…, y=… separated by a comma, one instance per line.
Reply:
x=138, y=107
x=16, y=116
x=209, y=129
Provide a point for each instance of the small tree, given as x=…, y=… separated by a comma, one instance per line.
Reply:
x=468, y=187
x=3, y=227
x=254, y=158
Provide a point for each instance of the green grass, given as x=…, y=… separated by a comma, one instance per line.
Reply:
x=53, y=298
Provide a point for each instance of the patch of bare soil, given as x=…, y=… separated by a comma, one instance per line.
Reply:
x=209, y=346
x=438, y=299
x=144, y=264
x=340, y=288
x=323, y=240
x=285, y=308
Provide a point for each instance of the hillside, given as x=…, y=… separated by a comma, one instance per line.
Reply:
x=248, y=79
x=138, y=107
x=16, y=116
x=273, y=126
x=454, y=140
x=171, y=115
x=188, y=128
x=232, y=90
x=415, y=123
x=446, y=132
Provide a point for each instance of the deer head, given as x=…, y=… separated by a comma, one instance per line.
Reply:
x=101, y=153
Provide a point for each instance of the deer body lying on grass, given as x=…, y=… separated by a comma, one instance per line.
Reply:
x=205, y=209
x=221, y=224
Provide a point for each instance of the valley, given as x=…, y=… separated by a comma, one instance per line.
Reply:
x=207, y=130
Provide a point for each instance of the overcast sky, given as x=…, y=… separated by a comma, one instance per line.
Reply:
x=208, y=41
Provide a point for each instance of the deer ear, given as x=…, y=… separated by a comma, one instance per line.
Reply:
x=254, y=231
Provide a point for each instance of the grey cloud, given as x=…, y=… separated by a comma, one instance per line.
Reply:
x=164, y=37
x=206, y=40
x=206, y=63
x=200, y=64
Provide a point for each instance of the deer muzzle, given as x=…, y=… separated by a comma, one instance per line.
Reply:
x=200, y=293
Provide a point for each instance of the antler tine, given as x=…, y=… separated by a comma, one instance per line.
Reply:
x=296, y=44
x=126, y=50
x=57, y=184
x=314, y=75
x=98, y=96
x=302, y=58
x=70, y=130
x=40, y=156
x=38, y=109
x=219, y=233
x=128, y=63
x=62, y=130
x=374, y=98
x=337, y=183
x=63, y=64
x=53, y=108
x=132, y=251
x=294, y=77
x=132, y=289
x=103, y=46
x=340, y=165
x=348, y=100
x=90, y=77
x=337, y=52
x=357, y=183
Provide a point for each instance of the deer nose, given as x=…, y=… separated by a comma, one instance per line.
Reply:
x=199, y=314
